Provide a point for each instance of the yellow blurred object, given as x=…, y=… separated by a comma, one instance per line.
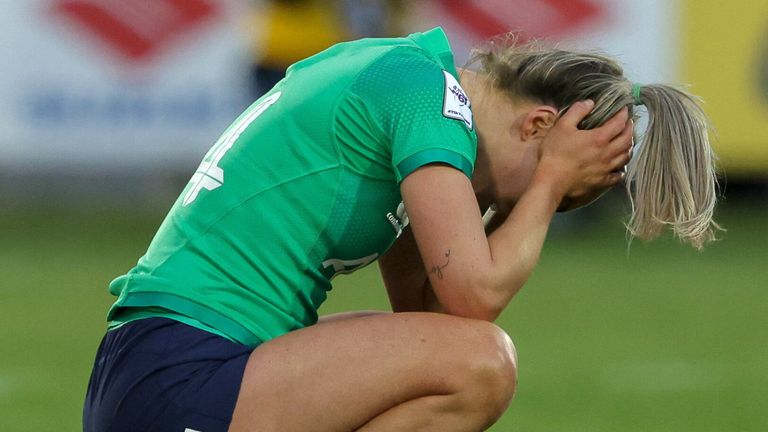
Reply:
x=725, y=57
x=284, y=32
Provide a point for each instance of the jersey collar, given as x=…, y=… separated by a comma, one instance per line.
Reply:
x=436, y=43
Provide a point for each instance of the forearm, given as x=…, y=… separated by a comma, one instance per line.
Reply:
x=430, y=302
x=516, y=243
x=419, y=296
x=403, y=274
x=472, y=274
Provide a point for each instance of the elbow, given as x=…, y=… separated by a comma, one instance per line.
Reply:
x=488, y=311
x=482, y=300
x=477, y=308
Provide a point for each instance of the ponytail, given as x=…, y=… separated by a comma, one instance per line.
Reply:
x=671, y=180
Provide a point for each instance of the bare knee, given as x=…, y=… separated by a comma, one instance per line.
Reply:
x=491, y=372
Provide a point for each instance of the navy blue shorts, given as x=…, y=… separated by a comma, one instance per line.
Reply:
x=157, y=374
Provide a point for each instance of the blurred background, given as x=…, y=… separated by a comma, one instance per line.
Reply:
x=106, y=107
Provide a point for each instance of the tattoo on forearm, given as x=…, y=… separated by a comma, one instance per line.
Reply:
x=438, y=269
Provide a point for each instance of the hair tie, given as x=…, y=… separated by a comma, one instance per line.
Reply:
x=636, y=93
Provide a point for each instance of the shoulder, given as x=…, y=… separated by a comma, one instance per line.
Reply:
x=408, y=79
x=405, y=65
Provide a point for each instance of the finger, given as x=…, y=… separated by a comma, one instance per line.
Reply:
x=577, y=112
x=622, y=143
x=619, y=162
x=614, y=178
x=615, y=125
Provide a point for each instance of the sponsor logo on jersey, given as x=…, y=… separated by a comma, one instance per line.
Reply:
x=341, y=266
x=456, y=104
x=400, y=221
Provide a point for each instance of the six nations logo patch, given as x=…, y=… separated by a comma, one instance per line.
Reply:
x=455, y=102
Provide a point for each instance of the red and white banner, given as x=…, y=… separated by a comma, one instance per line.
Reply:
x=135, y=30
x=641, y=34
x=116, y=83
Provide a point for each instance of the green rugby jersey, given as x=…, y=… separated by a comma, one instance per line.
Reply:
x=304, y=185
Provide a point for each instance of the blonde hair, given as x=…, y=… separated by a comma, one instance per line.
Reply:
x=671, y=180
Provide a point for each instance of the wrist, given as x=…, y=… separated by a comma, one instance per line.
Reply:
x=548, y=179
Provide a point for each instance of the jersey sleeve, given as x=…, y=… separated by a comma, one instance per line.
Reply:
x=421, y=109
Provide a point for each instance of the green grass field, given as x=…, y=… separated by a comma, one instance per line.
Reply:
x=657, y=338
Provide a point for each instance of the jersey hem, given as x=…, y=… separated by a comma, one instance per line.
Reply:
x=190, y=309
x=129, y=314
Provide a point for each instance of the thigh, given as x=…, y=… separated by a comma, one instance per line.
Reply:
x=337, y=375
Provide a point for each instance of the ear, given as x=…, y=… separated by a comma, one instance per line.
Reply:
x=537, y=122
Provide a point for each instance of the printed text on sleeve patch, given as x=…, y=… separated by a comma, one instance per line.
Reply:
x=456, y=104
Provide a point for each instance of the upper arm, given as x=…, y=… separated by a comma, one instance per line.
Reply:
x=426, y=120
x=448, y=228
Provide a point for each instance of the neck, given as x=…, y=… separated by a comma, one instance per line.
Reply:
x=475, y=85
x=502, y=158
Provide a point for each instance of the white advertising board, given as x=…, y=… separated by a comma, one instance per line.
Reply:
x=120, y=84
x=117, y=83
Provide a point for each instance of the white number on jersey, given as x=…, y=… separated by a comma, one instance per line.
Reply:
x=209, y=175
x=348, y=266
